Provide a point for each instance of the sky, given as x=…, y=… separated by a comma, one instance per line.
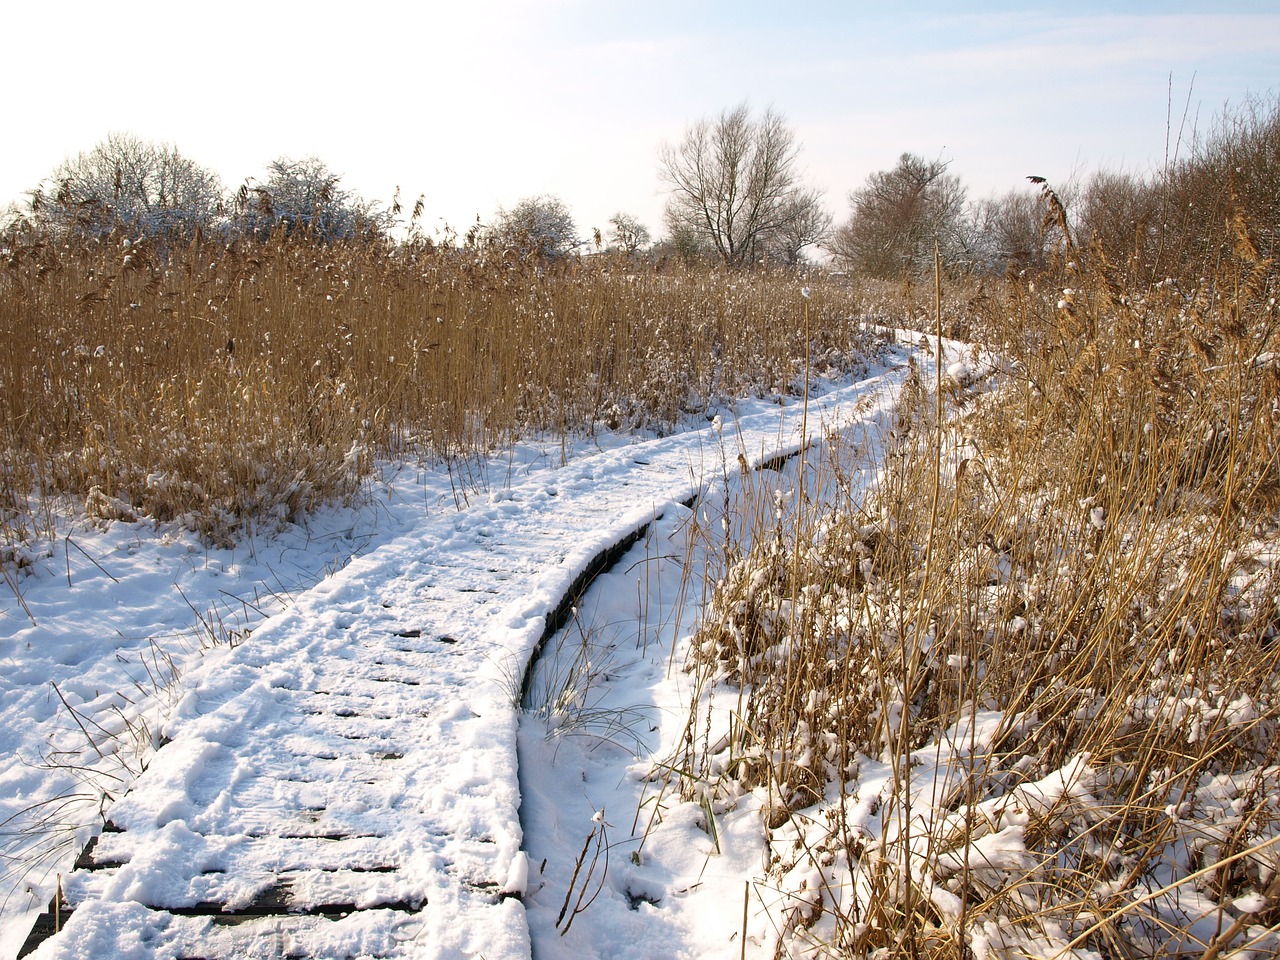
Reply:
x=477, y=104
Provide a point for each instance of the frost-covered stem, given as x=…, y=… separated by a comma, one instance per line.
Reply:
x=912, y=656
x=577, y=868
x=795, y=661
x=1241, y=922
x=1154, y=895
x=804, y=444
x=12, y=581
x=76, y=717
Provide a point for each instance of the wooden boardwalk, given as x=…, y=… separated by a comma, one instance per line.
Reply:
x=343, y=783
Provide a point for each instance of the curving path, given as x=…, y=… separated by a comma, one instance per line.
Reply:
x=344, y=784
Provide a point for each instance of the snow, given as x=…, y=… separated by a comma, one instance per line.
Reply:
x=673, y=865
x=336, y=711
x=325, y=742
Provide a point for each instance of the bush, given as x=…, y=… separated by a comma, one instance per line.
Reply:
x=130, y=185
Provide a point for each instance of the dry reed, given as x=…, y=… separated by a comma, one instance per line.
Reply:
x=224, y=386
x=1023, y=700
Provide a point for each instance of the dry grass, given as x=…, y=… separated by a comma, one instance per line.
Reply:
x=233, y=387
x=1023, y=700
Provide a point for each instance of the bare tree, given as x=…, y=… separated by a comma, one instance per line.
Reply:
x=685, y=246
x=1123, y=216
x=125, y=182
x=536, y=227
x=1229, y=182
x=627, y=233
x=734, y=185
x=804, y=222
x=897, y=217
x=1008, y=232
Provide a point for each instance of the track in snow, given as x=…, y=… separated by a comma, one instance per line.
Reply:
x=344, y=784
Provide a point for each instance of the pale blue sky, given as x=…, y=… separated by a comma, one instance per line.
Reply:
x=478, y=103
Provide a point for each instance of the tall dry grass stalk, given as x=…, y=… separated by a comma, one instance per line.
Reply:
x=1023, y=700
x=226, y=386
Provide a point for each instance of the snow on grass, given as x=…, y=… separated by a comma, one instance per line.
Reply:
x=658, y=882
x=112, y=615
x=656, y=822
x=242, y=633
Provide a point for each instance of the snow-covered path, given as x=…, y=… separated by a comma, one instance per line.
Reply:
x=344, y=784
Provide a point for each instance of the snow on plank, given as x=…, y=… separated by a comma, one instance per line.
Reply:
x=344, y=783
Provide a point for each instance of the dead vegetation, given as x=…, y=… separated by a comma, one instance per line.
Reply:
x=1022, y=698
x=232, y=386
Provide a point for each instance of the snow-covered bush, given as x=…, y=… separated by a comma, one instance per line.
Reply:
x=304, y=196
x=536, y=227
x=130, y=185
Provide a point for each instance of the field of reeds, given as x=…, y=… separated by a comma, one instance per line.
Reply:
x=1022, y=699
x=230, y=388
